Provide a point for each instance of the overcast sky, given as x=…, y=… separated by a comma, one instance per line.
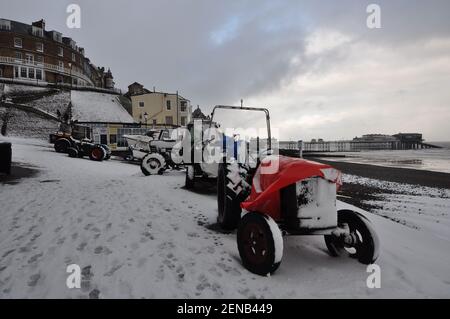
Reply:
x=315, y=64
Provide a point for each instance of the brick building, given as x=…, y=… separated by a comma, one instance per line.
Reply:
x=30, y=53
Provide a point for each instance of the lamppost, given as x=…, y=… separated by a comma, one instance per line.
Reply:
x=71, y=81
x=145, y=118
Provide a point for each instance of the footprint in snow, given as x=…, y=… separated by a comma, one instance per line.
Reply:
x=33, y=280
x=81, y=246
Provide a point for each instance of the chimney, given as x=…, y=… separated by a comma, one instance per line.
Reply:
x=39, y=24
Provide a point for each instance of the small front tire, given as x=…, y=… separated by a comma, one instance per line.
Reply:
x=361, y=243
x=260, y=243
x=152, y=164
x=73, y=152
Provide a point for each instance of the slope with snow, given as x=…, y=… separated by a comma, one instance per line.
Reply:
x=137, y=236
x=28, y=124
x=58, y=101
x=98, y=107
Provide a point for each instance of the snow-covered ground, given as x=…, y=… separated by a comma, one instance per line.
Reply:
x=419, y=207
x=137, y=236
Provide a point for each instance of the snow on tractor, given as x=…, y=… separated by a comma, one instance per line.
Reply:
x=81, y=148
x=287, y=196
x=154, y=150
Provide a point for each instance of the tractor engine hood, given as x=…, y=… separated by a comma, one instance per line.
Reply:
x=276, y=172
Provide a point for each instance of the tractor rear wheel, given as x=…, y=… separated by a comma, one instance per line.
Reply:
x=62, y=145
x=228, y=202
x=260, y=243
x=97, y=154
x=362, y=241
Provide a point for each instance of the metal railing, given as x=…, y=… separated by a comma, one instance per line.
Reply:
x=46, y=66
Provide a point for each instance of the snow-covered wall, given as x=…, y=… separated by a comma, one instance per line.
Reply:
x=27, y=124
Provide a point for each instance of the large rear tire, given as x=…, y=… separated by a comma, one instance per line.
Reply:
x=228, y=200
x=97, y=154
x=260, y=243
x=362, y=243
x=152, y=164
x=61, y=145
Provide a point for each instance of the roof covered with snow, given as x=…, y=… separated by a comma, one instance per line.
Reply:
x=98, y=107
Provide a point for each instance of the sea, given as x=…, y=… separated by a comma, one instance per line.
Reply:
x=437, y=160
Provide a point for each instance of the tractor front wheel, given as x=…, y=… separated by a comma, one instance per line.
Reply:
x=73, y=152
x=152, y=164
x=358, y=241
x=260, y=243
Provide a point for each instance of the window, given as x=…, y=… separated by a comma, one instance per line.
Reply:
x=168, y=106
x=169, y=120
x=17, y=42
x=39, y=74
x=61, y=65
x=141, y=104
x=16, y=71
x=60, y=51
x=18, y=55
x=74, y=58
x=183, y=120
x=183, y=107
x=5, y=24
x=31, y=73
x=23, y=72
x=112, y=139
x=1, y=73
x=39, y=47
x=154, y=121
x=39, y=59
x=29, y=58
x=103, y=139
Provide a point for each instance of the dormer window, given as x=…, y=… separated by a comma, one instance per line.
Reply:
x=17, y=42
x=57, y=37
x=5, y=24
x=74, y=58
x=60, y=51
x=38, y=32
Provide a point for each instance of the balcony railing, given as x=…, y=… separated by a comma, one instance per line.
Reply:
x=46, y=66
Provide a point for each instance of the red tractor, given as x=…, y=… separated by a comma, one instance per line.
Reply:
x=287, y=196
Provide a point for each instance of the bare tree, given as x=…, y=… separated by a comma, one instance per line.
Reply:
x=5, y=117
